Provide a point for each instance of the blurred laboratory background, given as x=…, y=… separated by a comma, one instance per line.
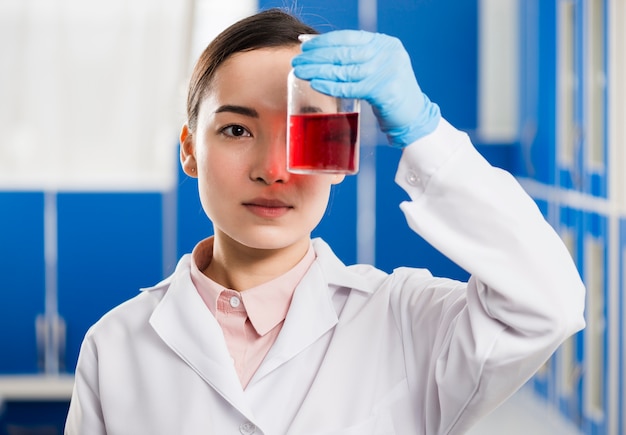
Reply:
x=93, y=205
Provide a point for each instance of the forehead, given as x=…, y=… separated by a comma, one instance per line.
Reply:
x=256, y=74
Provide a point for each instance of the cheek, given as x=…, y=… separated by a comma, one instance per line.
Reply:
x=215, y=165
x=318, y=194
x=219, y=177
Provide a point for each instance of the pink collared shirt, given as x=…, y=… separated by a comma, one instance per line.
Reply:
x=251, y=319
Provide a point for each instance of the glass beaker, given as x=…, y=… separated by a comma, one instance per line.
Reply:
x=323, y=132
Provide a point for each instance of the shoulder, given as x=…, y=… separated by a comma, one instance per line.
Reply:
x=367, y=278
x=133, y=315
x=127, y=319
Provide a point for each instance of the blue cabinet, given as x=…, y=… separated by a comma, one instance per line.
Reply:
x=578, y=152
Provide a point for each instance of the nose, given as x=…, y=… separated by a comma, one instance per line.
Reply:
x=271, y=159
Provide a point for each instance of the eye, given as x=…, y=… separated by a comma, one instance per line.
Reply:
x=235, y=130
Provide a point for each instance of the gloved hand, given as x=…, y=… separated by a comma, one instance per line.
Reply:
x=373, y=67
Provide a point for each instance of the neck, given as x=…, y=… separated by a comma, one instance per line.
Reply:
x=239, y=267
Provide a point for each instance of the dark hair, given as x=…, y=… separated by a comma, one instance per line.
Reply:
x=270, y=28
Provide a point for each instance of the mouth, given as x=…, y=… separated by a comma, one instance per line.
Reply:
x=268, y=208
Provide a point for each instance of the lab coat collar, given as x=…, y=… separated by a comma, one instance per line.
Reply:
x=184, y=323
x=336, y=273
x=312, y=312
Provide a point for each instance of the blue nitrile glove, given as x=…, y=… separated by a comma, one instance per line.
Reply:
x=373, y=67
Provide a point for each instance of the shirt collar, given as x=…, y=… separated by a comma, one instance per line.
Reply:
x=266, y=304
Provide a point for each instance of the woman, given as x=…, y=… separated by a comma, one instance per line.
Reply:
x=263, y=330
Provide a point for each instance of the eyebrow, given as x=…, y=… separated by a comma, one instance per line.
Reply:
x=310, y=109
x=241, y=110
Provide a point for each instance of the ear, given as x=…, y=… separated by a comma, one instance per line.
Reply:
x=337, y=178
x=187, y=156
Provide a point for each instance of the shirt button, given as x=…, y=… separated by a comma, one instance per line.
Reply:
x=234, y=301
x=247, y=428
x=412, y=178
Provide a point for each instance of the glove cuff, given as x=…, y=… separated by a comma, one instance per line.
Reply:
x=424, y=124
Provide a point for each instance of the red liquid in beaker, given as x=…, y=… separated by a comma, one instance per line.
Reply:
x=323, y=142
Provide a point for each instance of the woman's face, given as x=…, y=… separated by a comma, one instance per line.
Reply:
x=238, y=154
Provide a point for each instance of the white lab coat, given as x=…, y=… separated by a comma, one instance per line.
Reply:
x=361, y=351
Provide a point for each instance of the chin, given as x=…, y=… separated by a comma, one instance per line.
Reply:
x=271, y=241
x=269, y=245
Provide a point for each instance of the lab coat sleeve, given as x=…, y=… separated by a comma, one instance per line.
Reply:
x=85, y=414
x=524, y=297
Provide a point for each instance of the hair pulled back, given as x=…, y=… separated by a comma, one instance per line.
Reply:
x=270, y=28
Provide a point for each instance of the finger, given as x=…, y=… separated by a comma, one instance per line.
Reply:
x=336, y=73
x=338, y=38
x=341, y=89
x=339, y=55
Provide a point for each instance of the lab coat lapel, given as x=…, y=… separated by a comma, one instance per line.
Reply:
x=186, y=326
x=312, y=312
x=324, y=386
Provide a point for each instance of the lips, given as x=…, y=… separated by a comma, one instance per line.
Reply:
x=267, y=207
